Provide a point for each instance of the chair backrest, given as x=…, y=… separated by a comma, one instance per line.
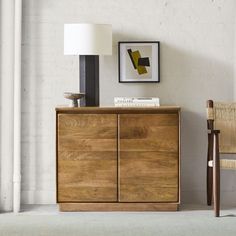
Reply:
x=222, y=116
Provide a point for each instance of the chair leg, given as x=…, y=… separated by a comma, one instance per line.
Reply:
x=216, y=175
x=209, y=169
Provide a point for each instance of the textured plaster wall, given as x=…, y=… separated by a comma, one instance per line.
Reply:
x=197, y=62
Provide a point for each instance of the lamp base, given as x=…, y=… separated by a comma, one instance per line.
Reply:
x=89, y=80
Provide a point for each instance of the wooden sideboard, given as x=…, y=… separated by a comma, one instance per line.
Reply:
x=117, y=159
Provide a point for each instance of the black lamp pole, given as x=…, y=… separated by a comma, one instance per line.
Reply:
x=89, y=80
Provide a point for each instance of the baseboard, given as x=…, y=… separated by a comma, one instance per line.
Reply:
x=118, y=206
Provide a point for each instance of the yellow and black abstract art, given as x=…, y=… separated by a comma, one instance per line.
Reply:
x=140, y=63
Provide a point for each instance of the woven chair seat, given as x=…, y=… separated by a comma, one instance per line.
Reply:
x=225, y=164
x=228, y=164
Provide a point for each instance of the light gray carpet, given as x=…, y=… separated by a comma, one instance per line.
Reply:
x=189, y=221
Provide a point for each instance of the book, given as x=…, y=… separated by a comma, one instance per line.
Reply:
x=136, y=101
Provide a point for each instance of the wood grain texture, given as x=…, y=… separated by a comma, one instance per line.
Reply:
x=148, y=157
x=118, y=207
x=118, y=110
x=147, y=147
x=87, y=158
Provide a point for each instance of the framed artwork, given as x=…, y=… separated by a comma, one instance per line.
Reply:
x=139, y=62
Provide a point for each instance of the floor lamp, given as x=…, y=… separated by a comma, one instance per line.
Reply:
x=88, y=41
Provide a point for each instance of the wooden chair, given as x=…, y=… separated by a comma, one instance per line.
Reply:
x=221, y=124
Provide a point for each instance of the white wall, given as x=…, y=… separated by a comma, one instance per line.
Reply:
x=197, y=56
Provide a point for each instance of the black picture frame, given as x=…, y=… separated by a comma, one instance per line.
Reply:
x=138, y=43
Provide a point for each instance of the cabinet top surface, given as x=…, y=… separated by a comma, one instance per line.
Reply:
x=170, y=109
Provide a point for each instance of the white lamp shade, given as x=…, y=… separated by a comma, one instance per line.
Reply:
x=87, y=39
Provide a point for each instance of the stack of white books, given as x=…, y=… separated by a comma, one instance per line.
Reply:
x=136, y=102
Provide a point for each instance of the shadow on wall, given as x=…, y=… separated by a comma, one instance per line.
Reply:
x=31, y=110
x=40, y=68
x=188, y=79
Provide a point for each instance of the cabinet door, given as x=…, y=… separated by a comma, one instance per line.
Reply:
x=148, y=157
x=87, y=158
